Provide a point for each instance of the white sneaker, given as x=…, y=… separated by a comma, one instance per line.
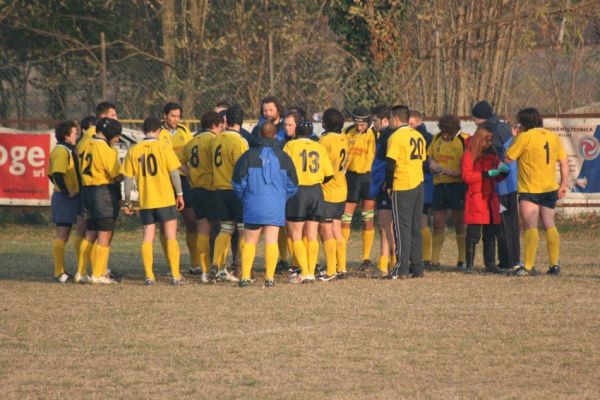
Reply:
x=103, y=280
x=204, y=278
x=224, y=276
x=63, y=278
x=81, y=278
x=299, y=278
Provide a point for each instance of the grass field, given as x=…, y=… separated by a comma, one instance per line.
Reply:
x=445, y=336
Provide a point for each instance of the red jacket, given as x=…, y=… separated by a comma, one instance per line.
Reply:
x=482, y=204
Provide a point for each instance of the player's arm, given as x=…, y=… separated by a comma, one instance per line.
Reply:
x=327, y=167
x=564, y=170
x=176, y=182
x=58, y=179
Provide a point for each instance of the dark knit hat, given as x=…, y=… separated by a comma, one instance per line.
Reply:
x=482, y=110
x=304, y=128
x=361, y=114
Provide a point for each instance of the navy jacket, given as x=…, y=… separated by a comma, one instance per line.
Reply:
x=502, y=135
x=264, y=179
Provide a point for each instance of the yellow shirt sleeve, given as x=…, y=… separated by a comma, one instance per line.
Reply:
x=517, y=147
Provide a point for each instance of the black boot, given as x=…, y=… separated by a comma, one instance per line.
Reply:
x=470, y=257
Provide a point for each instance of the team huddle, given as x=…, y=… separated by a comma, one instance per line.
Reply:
x=301, y=191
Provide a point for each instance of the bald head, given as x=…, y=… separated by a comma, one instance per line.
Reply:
x=268, y=130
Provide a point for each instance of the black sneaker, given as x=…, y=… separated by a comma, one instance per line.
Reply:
x=366, y=265
x=282, y=267
x=342, y=275
x=554, y=270
x=269, y=284
x=460, y=266
x=469, y=270
x=327, y=278
x=244, y=283
x=492, y=269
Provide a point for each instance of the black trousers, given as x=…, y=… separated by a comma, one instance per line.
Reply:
x=509, y=249
x=489, y=243
x=407, y=207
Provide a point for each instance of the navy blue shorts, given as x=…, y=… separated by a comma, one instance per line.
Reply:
x=332, y=211
x=306, y=205
x=64, y=209
x=358, y=187
x=153, y=215
x=547, y=199
x=187, y=191
x=449, y=196
x=204, y=203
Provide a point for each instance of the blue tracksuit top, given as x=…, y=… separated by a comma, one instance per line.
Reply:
x=264, y=179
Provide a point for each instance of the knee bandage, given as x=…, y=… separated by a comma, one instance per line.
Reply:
x=227, y=227
x=368, y=215
x=240, y=226
x=346, y=218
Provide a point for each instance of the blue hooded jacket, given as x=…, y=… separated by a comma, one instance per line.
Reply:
x=264, y=179
x=256, y=130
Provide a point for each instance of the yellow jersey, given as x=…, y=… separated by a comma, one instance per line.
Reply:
x=447, y=153
x=98, y=163
x=85, y=137
x=362, y=150
x=310, y=160
x=336, y=146
x=226, y=149
x=150, y=163
x=177, y=138
x=407, y=147
x=198, y=157
x=536, y=152
x=61, y=161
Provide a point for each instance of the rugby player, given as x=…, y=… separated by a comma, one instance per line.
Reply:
x=155, y=167
x=64, y=202
x=404, y=181
x=361, y=142
x=226, y=149
x=537, y=150
x=177, y=136
x=196, y=159
x=101, y=192
x=334, y=193
x=445, y=153
x=305, y=208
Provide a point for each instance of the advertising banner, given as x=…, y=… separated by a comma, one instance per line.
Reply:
x=24, y=160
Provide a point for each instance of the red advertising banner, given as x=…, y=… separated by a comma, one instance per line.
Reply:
x=24, y=160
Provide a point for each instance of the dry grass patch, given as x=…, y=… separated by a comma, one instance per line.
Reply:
x=445, y=336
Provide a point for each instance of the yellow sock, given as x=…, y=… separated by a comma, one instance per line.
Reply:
x=426, y=238
x=241, y=242
x=174, y=257
x=393, y=259
x=553, y=243
x=221, y=247
x=93, y=257
x=248, y=254
x=203, y=250
x=367, y=236
x=77, y=245
x=100, y=260
x=340, y=247
x=163, y=245
x=301, y=256
x=190, y=240
x=462, y=247
x=58, y=252
x=313, y=256
x=530, y=242
x=383, y=263
x=282, y=243
x=346, y=232
x=147, y=259
x=290, y=248
x=436, y=247
x=305, y=241
x=83, y=260
x=271, y=256
x=329, y=246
